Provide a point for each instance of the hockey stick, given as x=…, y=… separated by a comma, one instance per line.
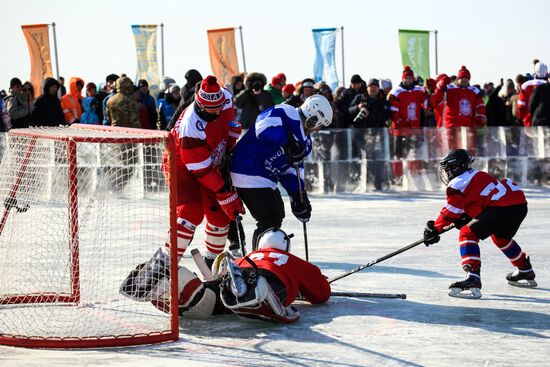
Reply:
x=368, y=295
x=203, y=268
x=374, y=262
x=238, y=219
x=301, y=202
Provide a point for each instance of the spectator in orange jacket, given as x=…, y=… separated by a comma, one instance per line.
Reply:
x=71, y=102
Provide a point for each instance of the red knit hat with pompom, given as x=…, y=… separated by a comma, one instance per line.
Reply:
x=210, y=96
x=407, y=72
x=464, y=73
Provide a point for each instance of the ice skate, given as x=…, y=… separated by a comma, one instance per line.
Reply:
x=524, y=278
x=467, y=288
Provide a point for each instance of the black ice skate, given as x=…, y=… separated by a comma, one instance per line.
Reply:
x=467, y=288
x=524, y=278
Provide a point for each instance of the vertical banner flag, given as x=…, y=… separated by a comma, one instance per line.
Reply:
x=415, y=51
x=325, y=56
x=145, y=37
x=38, y=41
x=223, y=54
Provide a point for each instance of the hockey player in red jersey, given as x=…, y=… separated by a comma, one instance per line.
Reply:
x=263, y=285
x=204, y=133
x=406, y=100
x=527, y=89
x=499, y=208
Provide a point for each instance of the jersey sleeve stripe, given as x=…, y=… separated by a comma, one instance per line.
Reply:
x=200, y=165
x=454, y=209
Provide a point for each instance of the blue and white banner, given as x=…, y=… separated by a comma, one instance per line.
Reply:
x=325, y=56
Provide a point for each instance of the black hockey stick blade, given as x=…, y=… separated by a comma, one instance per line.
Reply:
x=368, y=295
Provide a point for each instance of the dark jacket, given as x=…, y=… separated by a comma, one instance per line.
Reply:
x=47, y=108
x=250, y=103
x=378, y=108
x=539, y=105
x=188, y=90
x=149, y=102
x=344, y=103
x=496, y=109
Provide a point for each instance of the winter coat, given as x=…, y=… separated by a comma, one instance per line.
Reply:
x=122, y=109
x=148, y=101
x=539, y=105
x=276, y=95
x=6, y=123
x=496, y=109
x=252, y=105
x=47, y=108
x=188, y=90
x=71, y=102
x=167, y=107
x=89, y=116
x=19, y=110
x=344, y=103
x=379, y=111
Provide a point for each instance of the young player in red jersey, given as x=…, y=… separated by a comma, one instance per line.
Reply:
x=499, y=208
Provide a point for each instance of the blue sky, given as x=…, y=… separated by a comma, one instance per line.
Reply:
x=493, y=39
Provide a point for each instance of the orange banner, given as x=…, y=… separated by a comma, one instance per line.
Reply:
x=223, y=54
x=38, y=41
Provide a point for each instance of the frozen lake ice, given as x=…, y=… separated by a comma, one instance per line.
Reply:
x=507, y=326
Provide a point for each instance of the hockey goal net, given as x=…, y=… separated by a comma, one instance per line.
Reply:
x=80, y=208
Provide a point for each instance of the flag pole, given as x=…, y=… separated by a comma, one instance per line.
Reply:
x=162, y=49
x=242, y=47
x=343, y=69
x=55, y=50
x=436, y=64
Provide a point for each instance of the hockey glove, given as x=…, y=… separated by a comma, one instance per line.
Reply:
x=230, y=204
x=295, y=152
x=462, y=221
x=300, y=209
x=431, y=234
x=235, y=130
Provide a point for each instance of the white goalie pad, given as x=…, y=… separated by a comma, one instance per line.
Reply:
x=194, y=299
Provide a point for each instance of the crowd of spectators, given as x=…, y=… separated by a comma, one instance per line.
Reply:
x=444, y=101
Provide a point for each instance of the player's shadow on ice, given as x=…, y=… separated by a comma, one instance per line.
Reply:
x=344, y=267
x=505, y=321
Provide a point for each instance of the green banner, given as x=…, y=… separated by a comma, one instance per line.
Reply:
x=415, y=51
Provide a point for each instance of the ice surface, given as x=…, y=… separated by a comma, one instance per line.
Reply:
x=508, y=326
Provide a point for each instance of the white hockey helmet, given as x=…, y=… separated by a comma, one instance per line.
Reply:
x=274, y=238
x=541, y=70
x=317, y=111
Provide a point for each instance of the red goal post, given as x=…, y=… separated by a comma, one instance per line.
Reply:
x=82, y=207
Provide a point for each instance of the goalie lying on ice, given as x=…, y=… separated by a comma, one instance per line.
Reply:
x=262, y=285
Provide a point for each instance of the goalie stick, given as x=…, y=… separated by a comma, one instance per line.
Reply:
x=368, y=295
x=201, y=264
x=374, y=262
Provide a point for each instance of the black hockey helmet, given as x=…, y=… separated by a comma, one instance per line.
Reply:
x=455, y=163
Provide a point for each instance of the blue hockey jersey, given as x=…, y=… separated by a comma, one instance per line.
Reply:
x=259, y=159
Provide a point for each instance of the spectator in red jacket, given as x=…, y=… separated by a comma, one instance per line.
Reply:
x=527, y=88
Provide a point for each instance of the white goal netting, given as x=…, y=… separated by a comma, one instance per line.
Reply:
x=80, y=209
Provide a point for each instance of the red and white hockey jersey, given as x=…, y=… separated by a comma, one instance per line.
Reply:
x=202, y=145
x=296, y=274
x=473, y=191
x=525, y=92
x=405, y=105
x=462, y=106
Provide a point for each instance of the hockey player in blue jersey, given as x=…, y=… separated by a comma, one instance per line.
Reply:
x=269, y=153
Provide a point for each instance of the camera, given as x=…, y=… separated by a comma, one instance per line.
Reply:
x=257, y=86
x=363, y=113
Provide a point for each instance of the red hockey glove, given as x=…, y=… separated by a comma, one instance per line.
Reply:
x=235, y=130
x=230, y=203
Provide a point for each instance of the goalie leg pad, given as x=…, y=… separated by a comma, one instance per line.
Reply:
x=194, y=299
